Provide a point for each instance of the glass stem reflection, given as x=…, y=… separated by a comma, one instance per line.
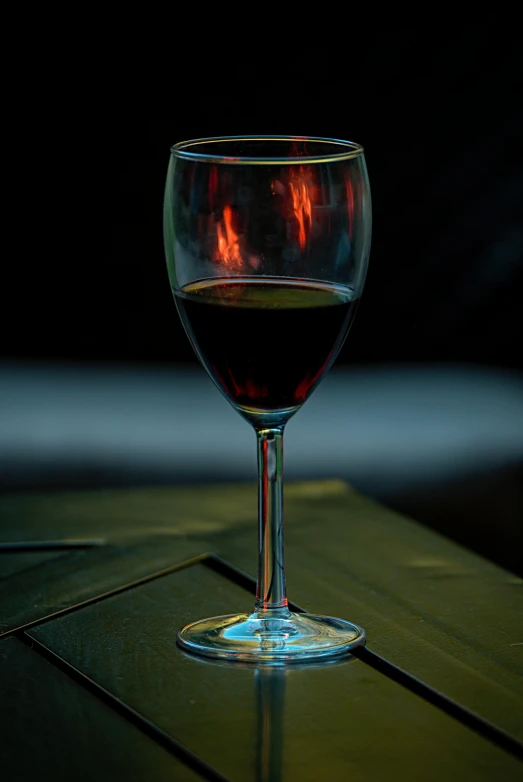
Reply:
x=271, y=595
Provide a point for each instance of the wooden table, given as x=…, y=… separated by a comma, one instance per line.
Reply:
x=93, y=686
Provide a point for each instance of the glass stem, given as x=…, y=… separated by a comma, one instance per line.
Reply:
x=271, y=596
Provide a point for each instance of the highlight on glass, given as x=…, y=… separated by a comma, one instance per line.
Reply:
x=267, y=241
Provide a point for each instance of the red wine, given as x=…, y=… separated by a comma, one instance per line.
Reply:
x=266, y=342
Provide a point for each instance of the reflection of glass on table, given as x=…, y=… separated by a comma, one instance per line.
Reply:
x=270, y=697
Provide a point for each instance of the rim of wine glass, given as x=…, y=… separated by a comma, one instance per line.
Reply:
x=181, y=150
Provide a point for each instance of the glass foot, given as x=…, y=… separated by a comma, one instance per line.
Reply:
x=286, y=638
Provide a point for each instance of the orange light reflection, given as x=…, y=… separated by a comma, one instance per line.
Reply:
x=301, y=191
x=228, y=251
x=350, y=202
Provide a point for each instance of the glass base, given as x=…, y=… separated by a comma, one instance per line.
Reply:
x=259, y=638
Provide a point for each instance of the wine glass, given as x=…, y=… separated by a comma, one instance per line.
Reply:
x=267, y=241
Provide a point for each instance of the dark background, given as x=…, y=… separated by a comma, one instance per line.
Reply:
x=84, y=281
x=442, y=126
